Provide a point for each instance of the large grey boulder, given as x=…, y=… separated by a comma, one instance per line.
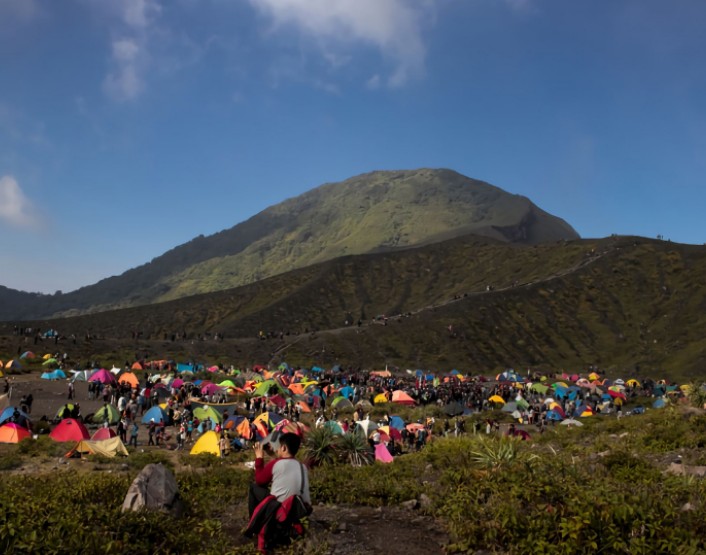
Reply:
x=154, y=488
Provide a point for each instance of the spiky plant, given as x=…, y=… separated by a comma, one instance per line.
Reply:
x=497, y=453
x=697, y=394
x=320, y=446
x=354, y=449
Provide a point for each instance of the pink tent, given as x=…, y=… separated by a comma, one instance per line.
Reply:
x=102, y=376
x=382, y=454
x=69, y=430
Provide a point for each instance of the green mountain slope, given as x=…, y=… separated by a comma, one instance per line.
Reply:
x=627, y=304
x=374, y=212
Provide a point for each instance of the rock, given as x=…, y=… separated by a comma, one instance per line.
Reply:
x=687, y=507
x=410, y=505
x=425, y=501
x=342, y=527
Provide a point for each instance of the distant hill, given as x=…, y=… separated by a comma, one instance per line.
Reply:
x=632, y=305
x=374, y=212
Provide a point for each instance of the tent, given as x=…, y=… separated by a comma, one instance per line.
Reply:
x=129, y=378
x=13, y=364
x=397, y=422
x=156, y=414
x=28, y=354
x=105, y=447
x=102, y=376
x=206, y=412
x=103, y=433
x=380, y=398
x=9, y=412
x=107, y=413
x=50, y=362
x=342, y=403
x=69, y=429
x=13, y=433
x=81, y=375
x=55, y=375
x=453, y=409
x=402, y=398
x=367, y=426
x=382, y=454
x=207, y=443
x=497, y=399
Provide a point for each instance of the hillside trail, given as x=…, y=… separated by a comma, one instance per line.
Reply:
x=590, y=259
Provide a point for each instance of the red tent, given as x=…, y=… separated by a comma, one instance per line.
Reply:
x=69, y=429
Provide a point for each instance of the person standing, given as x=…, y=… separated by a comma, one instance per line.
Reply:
x=133, y=434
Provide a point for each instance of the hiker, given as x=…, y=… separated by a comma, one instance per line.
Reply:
x=71, y=391
x=284, y=475
x=223, y=445
x=276, y=515
x=133, y=434
x=150, y=432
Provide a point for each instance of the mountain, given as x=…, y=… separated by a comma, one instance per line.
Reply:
x=374, y=212
x=631, y=305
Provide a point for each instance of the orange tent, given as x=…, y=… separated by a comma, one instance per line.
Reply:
x=13, y=433
x=402, y=398
x=137, y=366
x=303, y=406
x=244, y=429
x=129, y=378
x=296, y=388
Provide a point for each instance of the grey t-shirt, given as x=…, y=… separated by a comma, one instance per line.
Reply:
x=287, y=480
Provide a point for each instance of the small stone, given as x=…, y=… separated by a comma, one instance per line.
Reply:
x=425, y=501
x=410, y=505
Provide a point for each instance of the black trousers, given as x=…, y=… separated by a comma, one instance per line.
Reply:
x=255, y=496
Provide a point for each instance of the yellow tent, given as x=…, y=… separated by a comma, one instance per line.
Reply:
x=105, y=447
x=207, y=443
x=497, y=399
x=593, y=376
x=380, y=398
x=633, y=383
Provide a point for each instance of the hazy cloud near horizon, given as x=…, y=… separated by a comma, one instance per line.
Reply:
x=15, y=208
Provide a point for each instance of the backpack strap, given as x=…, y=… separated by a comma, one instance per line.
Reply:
x=301, y=489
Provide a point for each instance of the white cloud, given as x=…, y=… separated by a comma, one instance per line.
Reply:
x=140, y=13
x=125, y=82
x=132, y=24
x=15, y=207
x=391, y=26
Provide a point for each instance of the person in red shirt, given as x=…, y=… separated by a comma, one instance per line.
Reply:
x=283, y=476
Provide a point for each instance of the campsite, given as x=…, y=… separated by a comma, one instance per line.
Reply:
x=577, y=483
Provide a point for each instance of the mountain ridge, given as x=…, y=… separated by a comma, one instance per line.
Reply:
x=373, y=212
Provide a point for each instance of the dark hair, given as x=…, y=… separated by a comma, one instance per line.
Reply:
x=291, y=441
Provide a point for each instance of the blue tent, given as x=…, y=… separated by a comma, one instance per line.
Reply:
x=185, y=368
x=155, y=412
x=553, y=415
x=55, y=375
x=346, y=391
x=397, y=422
x=9, y=412
x=659, y=403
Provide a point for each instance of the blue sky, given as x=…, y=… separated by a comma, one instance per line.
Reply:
x=128, y=127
